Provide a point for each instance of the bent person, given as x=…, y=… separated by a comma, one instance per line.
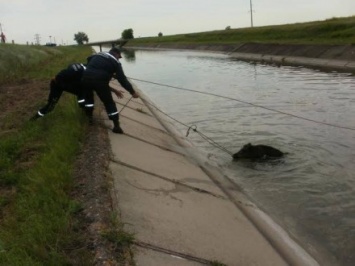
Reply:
x=69, y=80
x=101, y=68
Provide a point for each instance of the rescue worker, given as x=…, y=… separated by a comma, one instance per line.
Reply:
x=69, y=80
x=3, y=37
x=101, y=68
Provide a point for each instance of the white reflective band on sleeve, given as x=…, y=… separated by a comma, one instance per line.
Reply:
x=89, y=105
x=81, y=101
x=112, y=56
x=115, y=113
x=39, y=113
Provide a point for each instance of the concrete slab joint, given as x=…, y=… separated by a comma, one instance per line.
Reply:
x=182, y=210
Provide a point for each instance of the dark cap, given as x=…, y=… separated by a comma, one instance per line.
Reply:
x=116, y=50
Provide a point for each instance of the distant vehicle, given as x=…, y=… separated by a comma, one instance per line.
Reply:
x=50, y=44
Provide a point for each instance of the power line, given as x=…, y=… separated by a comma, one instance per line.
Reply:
x=251, y=13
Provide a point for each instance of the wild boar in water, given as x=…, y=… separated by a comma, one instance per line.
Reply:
x=250, y=151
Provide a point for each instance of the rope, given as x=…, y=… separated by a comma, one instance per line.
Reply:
x=194, y=128
x=255, y=105
x=125, y=104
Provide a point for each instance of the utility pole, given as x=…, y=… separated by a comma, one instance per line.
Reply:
x=37, y=39
x=251, y=14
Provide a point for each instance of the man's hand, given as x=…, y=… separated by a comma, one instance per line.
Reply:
x=135, y=95
x=118, y=93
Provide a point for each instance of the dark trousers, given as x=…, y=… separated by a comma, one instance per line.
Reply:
x=103, y=91
x=56, y=91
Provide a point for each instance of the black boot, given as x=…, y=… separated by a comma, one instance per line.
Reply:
x=89, y=114
x=116, y=127
x=35, y=117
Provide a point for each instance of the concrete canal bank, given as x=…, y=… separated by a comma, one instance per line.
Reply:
x=182, y=209
x=325, y=57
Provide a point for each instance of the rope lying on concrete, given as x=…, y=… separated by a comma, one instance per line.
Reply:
x=193, y=127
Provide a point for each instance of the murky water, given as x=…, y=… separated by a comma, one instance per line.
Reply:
x=311, y=190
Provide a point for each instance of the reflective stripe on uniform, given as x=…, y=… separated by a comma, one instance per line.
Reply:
x=81, y=100
x=89, y=105
x=110, y=55
x=39, y=113
x=115, y=113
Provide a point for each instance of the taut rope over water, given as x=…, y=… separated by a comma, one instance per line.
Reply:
x=255, y=105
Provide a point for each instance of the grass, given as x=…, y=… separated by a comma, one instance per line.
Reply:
x=120, y=239
x=335, y=31
x=38, y=215
x=36, y=163
x=36, y=62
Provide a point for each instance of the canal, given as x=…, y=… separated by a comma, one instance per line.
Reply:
x=306, y=113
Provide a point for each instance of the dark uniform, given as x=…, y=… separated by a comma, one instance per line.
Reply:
x=101, y=68
x=68, y=80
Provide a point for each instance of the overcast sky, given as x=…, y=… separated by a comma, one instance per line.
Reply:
x=102, y=20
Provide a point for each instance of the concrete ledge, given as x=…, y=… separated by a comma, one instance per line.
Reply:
x=277, y=237
x=325, y=64
x=325, y=57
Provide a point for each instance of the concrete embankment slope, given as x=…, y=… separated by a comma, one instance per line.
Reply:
x=326, y=57
x=181, y=209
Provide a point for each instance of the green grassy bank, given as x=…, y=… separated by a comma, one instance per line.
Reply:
x=335, y=31
x=36, y=159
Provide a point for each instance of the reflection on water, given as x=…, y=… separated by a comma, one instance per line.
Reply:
x=311, y=190
x=129, y=55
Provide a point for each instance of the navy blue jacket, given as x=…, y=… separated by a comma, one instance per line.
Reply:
x=104, y=66
x=72, y=74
